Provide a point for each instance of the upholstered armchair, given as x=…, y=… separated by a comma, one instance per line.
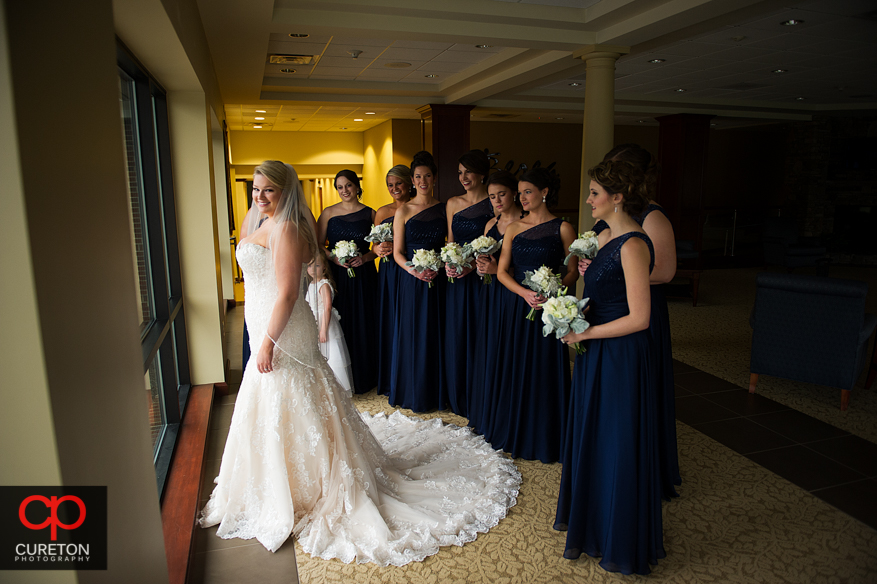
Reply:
x=812, y=329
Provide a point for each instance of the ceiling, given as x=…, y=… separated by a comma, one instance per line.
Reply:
x=370, y=61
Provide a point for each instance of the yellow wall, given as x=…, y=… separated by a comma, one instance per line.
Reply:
x=377, y=160
x=297, y=148
x=406, y=141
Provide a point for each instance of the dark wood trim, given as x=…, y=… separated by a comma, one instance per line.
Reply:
x=179, y=507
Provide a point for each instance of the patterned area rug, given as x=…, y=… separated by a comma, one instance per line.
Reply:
x=715, y=337
x=734, y=522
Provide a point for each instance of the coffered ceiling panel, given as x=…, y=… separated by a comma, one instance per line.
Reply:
x=516, y=56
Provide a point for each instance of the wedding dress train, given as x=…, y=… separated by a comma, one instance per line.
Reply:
x=301, y=460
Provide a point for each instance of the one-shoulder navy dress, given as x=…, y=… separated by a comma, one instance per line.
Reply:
x=610, y=498
x=487, y=342
x=388, y=275
x=356, y=298
x=527, y=397
x=659, y=332
x=461, y=312
x=416, y=375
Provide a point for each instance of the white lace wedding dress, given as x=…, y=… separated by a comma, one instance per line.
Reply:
x=300, y=459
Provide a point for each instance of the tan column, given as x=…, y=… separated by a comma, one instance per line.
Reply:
x=598, y=131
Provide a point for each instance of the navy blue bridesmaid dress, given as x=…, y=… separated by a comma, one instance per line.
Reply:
x=388, y=276
x=356, y=298
x=487, y=342
x=416, y=375
x=526, y=399
x=610, y=497
x=461, y=312
x=659, y=333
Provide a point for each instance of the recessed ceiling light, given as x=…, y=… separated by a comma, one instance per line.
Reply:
x=641, y=121
x=792, y=22
x=657, y=60
x=575, y=84
x=357, y=119
x=482, y=46
x=780, y=71
x=800, y=98
x=299, y=35
x=257, y=126
x=558, y=118
x=369, y=113
x=342, y=128
x=258, y=118
x=397, y=65
x=287, y=70
x=431, y=75
x=680, y=90
x=712, y=125
x=261, y=111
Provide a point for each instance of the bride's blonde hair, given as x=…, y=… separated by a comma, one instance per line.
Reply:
x=291, y=208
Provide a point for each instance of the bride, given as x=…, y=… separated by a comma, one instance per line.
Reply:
x=301, y=460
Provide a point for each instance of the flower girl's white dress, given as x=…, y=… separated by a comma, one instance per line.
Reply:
x=334, y=349
x=301, y=460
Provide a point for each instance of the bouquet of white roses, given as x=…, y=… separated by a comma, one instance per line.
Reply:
x=346, y=251
x=380, y=233
x=456, y=256
x=563, y=315
x=543, y=281
x=585, y=246
x=482, y=246
x=425, y=259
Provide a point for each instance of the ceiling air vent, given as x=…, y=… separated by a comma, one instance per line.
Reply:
x=294, y=59
x=744, y=86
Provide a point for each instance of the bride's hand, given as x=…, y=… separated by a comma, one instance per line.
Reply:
x=324, y=337
x=264, y=358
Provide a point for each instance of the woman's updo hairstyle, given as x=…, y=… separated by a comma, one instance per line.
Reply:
x=424, y=158
x=641, y=158
x=476, y=161
x=401, y=172
x=544, y=179
x=504, y=178
x=351, y=176
x=626, y=179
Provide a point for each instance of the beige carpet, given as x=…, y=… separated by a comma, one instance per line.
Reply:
x=715, y=337
x=735, y=522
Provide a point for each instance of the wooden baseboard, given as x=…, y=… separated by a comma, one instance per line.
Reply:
x=179, y=507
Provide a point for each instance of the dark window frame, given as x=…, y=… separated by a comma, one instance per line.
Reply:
x=165, y=336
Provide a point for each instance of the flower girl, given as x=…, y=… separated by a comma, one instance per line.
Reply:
x=320, y=294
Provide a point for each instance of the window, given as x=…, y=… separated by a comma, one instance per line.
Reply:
x=155, y=253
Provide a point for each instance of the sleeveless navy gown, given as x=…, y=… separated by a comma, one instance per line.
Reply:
x=487, y=343
x=659, y=333
x=388, y=276
x=416, y=375
x=462, y=314
x=356, y=298
x=610, y=497
x=526, y=399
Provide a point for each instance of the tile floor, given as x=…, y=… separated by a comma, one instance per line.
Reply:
x=832, y=464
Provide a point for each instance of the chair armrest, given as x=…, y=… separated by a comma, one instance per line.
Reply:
x=867, y=328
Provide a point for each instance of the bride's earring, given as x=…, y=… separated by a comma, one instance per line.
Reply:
x=616, y=208
x=543, y=198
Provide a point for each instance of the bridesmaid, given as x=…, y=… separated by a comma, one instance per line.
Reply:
x=416, y=375
x=356, y=296
x=502, y=188
x=610, y=496
x=528, y=397
x=657, y=226
x=399, y=185
x=467, y=215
